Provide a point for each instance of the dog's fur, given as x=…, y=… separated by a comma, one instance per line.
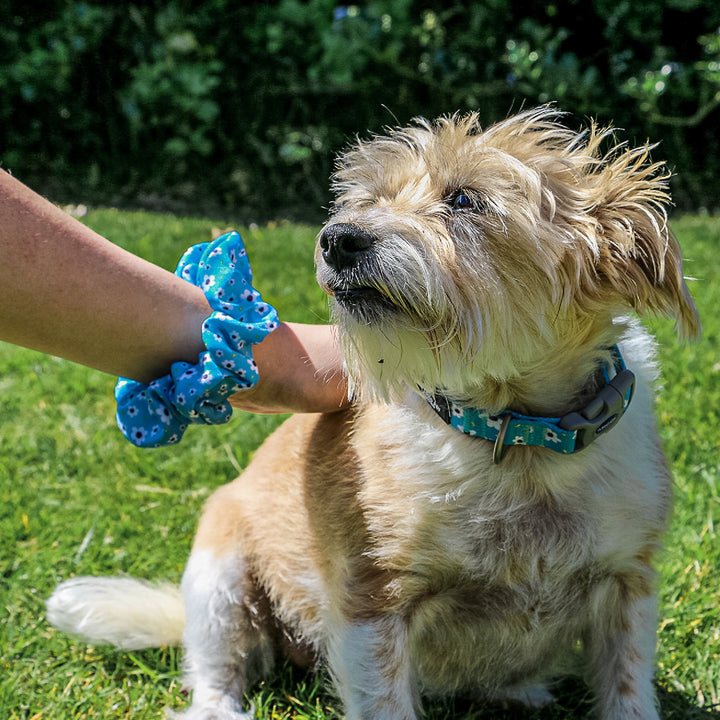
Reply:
x=497, y=266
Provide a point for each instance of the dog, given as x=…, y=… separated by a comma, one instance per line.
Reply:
x=484, y=517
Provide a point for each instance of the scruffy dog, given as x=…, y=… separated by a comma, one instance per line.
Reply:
x=474, y=524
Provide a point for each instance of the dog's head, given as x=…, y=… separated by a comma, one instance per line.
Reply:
x=454, y=253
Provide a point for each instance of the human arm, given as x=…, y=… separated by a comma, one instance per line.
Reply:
x=300, y=370
x=67, y=291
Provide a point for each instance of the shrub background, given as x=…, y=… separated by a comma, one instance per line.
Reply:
x=172, y=104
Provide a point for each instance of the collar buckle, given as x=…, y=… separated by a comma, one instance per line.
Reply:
x=603, y=412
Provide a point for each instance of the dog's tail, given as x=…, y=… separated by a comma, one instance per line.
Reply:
x=128, y=613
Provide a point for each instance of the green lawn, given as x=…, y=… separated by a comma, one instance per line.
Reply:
x=78, y=499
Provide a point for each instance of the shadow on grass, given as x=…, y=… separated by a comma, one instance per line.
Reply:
x=572, y=700
x=674, y=706
x=291, y=688
x=292, y=692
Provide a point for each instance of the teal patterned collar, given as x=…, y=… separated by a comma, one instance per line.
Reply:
x=567, y=434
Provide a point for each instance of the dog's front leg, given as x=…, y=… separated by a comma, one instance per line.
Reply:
x=621, y=650
x=371, y=668
x=223, y=639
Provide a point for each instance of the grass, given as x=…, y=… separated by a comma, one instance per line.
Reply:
x=78, y=499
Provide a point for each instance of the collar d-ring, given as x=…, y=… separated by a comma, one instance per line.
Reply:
x=499, y=447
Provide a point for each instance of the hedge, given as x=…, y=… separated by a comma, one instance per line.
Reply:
x=243, y=105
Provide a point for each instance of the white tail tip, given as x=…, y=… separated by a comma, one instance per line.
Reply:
x=128, y=613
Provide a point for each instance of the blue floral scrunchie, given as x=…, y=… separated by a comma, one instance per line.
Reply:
x=159, y=413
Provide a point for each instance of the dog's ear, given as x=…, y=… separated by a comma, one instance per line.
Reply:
x=635, y=252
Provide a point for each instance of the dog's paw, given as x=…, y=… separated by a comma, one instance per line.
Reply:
x=225, y=708
x=210, y=713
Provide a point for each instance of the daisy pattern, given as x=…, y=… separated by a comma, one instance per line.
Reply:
x=519, y=440
x=165, y=414
x=551, y=436
x=494, y=421
x=139, y=434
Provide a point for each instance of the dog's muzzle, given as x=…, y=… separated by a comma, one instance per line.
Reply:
x=345, y=250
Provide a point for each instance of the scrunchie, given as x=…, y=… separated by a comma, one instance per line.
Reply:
x=158, y=414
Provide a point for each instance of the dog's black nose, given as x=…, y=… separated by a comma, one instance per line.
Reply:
x=343, y=244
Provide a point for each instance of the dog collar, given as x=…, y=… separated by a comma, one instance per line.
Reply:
x=567, y=434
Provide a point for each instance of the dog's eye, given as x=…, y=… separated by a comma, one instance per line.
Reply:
x=462, y=201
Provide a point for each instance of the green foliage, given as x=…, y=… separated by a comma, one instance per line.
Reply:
x=178, y=74
x=698, y=83
x=78, y=499
x=244, y=105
